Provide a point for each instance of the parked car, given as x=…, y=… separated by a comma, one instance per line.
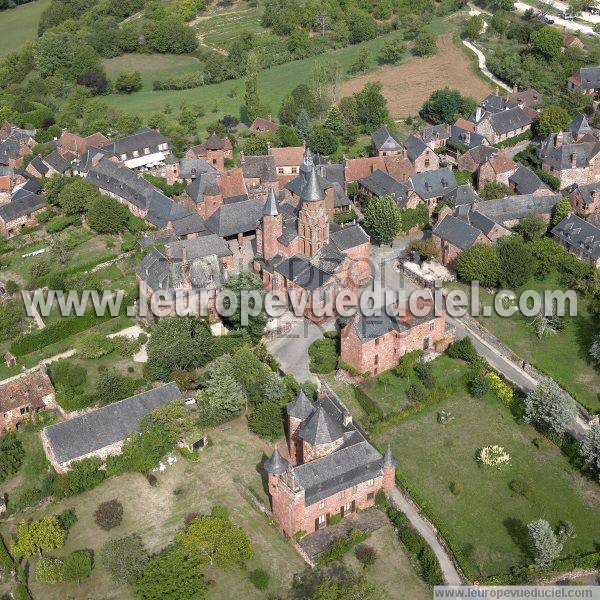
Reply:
x=547, y=20
x=593, y=10
x=566, y=16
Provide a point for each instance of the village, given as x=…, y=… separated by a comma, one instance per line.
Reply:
x=295, y=442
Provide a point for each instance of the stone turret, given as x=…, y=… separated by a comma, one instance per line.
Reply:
x=389, y=464
x=321, y=435
x=272, y=226
x=298, y=412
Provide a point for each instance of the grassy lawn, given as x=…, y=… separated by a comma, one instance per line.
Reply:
x=392, y=571
x=563, y=356
x=157, y=513
x=487, y=520
x=19, y=25
x=227, y=97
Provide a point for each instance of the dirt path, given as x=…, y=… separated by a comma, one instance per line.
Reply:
x=408, y=85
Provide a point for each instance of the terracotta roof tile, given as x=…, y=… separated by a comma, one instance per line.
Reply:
x=26, y=390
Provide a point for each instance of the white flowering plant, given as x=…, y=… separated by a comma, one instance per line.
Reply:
x=494, y=456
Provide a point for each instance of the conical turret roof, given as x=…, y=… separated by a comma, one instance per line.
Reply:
x=270, y=209
x=312, y=190
x=276, y=465
x=389, y=462
x=321, y=428
x=301, y=407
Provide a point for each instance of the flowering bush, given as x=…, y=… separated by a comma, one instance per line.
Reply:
x=494, y=456
x=500, y=389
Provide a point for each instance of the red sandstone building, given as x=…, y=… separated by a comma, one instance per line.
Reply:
x=23, y=396
x=375, y=343
x=333, y=468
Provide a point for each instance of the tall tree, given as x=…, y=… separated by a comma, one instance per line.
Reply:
x=544, y=544
x=590, y=450
x=550, y=407
x=383, y=218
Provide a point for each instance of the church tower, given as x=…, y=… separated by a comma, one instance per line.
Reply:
x=272, y=227
x=313, y=225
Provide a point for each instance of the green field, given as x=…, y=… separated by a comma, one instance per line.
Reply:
x=563, y=356
x=19, y=25
x=487, y=520
x=227, y=97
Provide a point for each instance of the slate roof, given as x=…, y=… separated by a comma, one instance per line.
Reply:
x=321, y=428
x=205, y=184
x=301, y=407
x=259, y=167
x=104, y=426
x=311, y=190
x=204, y=245
x=57, y=162
x=276, y=464
x=384, y=140
x=530, y=97
x=494, y=103
x=471, y=139
x=433, y=184
x=191, y=168
x=481, y=154
x=23, y=202
x=578, y=235
x=514, y=208
x=561, y=151
x=38, y=164
x=140, y=139
x=382, y=184
x=414, y=147
x=347, y=236
x=354, y=462
x=456, y=232
x=435, y=133
x=525, y=181
x=590, y=77
x=237, y=216
x=586, y=191
x=509, y=120
x=463, y=194
x=579, y=125
x=9, y=149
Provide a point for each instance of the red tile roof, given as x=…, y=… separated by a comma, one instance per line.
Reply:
x=26, y=390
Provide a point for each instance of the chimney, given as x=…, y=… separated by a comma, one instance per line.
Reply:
x=448, y=129
x=558, y=140
x=467, y=138
x=478, y=114
x=347, y=419
x=573, y=160
x=515, y=89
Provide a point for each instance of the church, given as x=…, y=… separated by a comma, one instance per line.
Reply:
x=301, y=250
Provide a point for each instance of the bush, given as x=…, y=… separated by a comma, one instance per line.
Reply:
x=181, y=82
x=67, y=518
x=341, y=546
x=423, y=370
x=259, y=579
x=479, y=386
x=124, y=558
x=373, y=411
x=366, y=555
x=266, y=421
x=457, y=488
x=126, y=83
x=323, y=356
x=462, y=349
x=520, y=488
x=335, y=519
x=407, y=362
x=416, y=392
x=11, y=455
x=109, y=514
x=60, y=223
x=94, y=345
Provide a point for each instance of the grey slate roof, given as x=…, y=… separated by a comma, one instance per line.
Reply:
x=471, y=139
x=104, y=426
x=513, y=208
x=456, y=232
x=590, y=77
x=525, y=181
x=237, y=216
x=578, y=235
x=347, y=236
x=259, y=167
x=23, y=202
x=38, y=164
x=433, y=184
x=463, y=194
x=561, y=151
x=270, y=208
x=301, y=407
x=190, y=168
x=389, y=462
x=204, y=245
x=312, y=190
x=354, y=462
x=586, y=191
x=321, y=428
x=415, y=146
x=380, y=183
x=509, y=120
x=383, y=139
x=140, y=139
x=57, y=162
x=494, y=103
x=276, y=464
x=579, y=125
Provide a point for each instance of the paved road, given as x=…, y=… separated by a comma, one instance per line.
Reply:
x=425, y=528
x=483, y=66
x=573, y=26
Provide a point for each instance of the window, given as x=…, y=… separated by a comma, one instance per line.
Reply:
x=322, y=504
x=370, y=495
x=427, y=162
x=426, y=344
x=370, y=482
x=322, y=520
x=280, y=170
x=347, y=508
x=135, y=153
x=24, y=409
x=376, y=359
x=377, y=341
x=431, y=326
x=294, y=169
x=146, y=150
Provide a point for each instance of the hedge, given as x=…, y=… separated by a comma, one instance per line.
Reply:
x=526, y=135
x=341, y=547
x=373, y=411
x=182, y=82
x=551, y=180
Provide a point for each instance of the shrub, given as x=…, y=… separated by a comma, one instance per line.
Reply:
x=11, y=455
x=457, y=488
x=519, y=487
x=366, y=555
x=109, y=514
x=259, y=579
x=501, y=390
x=266, y=421
x=373, y=411
x=124, y=558
x=423, y=370
x=323, y=356
x=341, y=546
x=181, y=82
x=462, y=349
x=407, y=362
x=416, y=392
x=94, y=345
x=126, y=83
x=479, y=386
x=67, y=518
x=335, y=519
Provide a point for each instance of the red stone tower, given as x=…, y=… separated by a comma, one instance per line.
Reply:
x=313, y=225
x=272, y=227
x=298, y=412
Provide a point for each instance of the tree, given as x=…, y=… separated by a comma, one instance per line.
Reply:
x=481, y=263
x=107, y=215
x=549, y=407
x=322, y=140
x=362, y=26
x=561, y=210
x=77, y=566
x=287, y=136
x=533, y=227
x=216, y=541
x=473, y=27
x=247, y=282
x=544, y=545
x=425, y=44
x=546, y=321
x=54, y=185
x=492, y=190
x=252, y=104
x=371, y=106
x=446, y=105
x=547, y=42
x=303, y=125
x=11, y=320
x=109, y=514
x=178, y=343
x=95, y=80
x=124, y=558
x=335, y=121
x=222, y=397
x=75, y=197
x=392, y=52
x=171, y=575
x=11, y=455
x=128, y=82
x=517, y=261
x=552, y=120
x=35, y=536
x=362, y=62
x=383, y=218
x=590, y=450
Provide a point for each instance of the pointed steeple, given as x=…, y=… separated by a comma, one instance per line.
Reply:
x=301, y=407
x=312, y=191
x=389, y=462
x=276, y=465
x=270, y=209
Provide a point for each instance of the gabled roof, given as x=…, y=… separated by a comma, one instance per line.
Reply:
x=347, y=236
x=456, y=232
x=579, y=235
x=259, y=167
x=579, y=125
x=384, y=139
x=509, y=120
x=513, y=208
x=97, y=429
x=238, y=216
x=432, y=184
x=526, y=181
x=590, y=77
x=23, y=202
x=463, y=194
x=140, y=139
x=530, y=98
x=414, y=147
x=381, y=184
